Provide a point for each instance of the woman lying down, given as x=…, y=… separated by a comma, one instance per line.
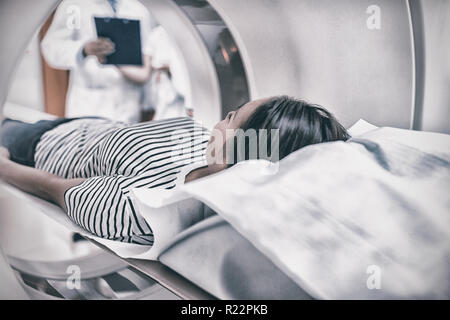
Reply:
x=88, y=165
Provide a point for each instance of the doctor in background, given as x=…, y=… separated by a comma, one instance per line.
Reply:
x=168, y=93
x=95, y=89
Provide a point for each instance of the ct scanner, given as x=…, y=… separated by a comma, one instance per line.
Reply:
x=391, y=71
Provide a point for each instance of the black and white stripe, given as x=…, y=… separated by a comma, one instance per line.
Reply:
x=116, y=157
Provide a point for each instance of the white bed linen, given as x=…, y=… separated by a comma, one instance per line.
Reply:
x=336, y=214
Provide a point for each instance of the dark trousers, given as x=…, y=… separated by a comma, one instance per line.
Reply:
x=21, y=138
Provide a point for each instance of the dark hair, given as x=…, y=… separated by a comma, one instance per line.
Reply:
x=299, y=124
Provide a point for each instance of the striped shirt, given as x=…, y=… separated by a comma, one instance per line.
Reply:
x=115, y=157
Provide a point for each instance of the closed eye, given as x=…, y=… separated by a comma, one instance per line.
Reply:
x=232, y=114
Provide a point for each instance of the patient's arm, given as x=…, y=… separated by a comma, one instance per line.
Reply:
x=37, y=182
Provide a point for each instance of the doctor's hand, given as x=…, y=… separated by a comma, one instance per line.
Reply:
x=138, y=74
x=165, y=68
x=100, y=48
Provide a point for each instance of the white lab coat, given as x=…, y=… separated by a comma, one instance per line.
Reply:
x=94, y=89
x=169, y=97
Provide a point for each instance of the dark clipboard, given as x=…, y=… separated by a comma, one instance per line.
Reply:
x=126, y=35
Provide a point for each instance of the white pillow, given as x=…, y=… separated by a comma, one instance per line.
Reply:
x=360, y=127
x=333, y=211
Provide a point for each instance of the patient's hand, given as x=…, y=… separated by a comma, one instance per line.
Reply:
x=40, y=183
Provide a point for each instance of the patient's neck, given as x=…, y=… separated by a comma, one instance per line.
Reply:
x=204, y=171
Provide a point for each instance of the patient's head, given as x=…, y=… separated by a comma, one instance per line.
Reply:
x=296, y=122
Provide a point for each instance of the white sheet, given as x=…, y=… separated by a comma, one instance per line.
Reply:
x=360, y=127
x=334, y=212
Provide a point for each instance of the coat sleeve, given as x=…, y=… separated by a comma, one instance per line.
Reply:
x=146, y=29
x=62, y=44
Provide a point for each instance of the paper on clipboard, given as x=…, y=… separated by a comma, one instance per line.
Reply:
x=126, y=35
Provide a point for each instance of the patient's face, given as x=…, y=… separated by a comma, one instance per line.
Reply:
x=233, y=121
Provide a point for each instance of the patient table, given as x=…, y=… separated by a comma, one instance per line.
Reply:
x=206, y=261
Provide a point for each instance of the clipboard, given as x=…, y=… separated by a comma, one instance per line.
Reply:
x=126, y=35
